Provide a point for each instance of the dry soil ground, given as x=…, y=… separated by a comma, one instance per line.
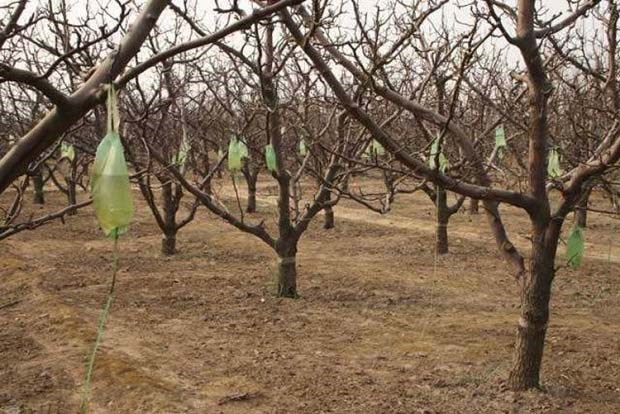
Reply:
x=380, y=327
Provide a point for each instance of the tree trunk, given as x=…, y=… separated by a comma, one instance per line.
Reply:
x=329, y=222
x=536, y=286
x=581, y=212
x=39, y=194
x=329, y=218
x=442, y=237
x=474, y=206
x=443, y=216
x=169, y=240
x=71, y=196
x=250, y=173
x=251, y=208
x=287, y=278
x=286, y=284
x=532, y=328
x=169, y=244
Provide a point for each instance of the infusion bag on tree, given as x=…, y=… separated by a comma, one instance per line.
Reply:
x=109, y=185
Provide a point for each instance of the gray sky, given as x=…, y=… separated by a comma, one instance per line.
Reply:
x=454, y=12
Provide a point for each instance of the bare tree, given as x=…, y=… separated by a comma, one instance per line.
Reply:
x=68, y=109
x=546, y=225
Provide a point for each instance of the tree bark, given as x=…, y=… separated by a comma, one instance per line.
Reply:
x=581, y=212
x=71, y=196
x=251, y=207
x=286, y=284
x=536, y=290
x=169, y=240
x=169, y=244
x=329, y=222
x=250, y=173
x=37, y=182
x=536, y=295
x=442, y=237
x=287, y=278
x=443, y=217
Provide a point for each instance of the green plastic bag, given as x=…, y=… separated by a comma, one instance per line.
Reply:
x=302, y=148
x=270, y=157
x=500, y=137
x=109, y=185
x=377, y=148
x=181, y=157
x=553, y=164
x=67, y=151
x=500, y=141
x=373, y=148
x=234, y=155
x=443, y=161
x=575, y=246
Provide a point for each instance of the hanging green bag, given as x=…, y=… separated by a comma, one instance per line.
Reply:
x=443, y=161
x=270, y=157
x=181, y=158
x=553, y=164
x=243, y=150
x=575, y=246
x=67, y=151
x=109, y=185
x=500, y=141
x=302, y=148
x=234, y=155
x=500, y=137
x=377, y=148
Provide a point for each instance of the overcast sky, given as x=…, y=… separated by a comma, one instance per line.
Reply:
x=454, y=12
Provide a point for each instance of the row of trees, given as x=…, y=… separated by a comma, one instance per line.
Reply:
x=473, y=108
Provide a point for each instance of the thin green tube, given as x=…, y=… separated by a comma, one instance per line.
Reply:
x=85, y=400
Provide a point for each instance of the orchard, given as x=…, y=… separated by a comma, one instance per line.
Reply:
x=309, y=206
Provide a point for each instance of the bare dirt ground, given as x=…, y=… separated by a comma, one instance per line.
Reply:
x=380, y=326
